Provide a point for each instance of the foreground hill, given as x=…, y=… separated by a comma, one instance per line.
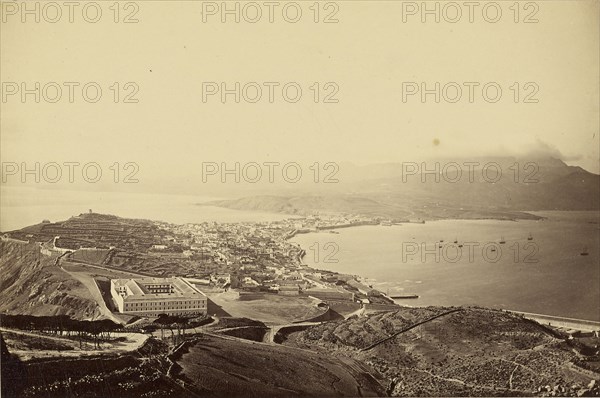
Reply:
x=457, y=352
x=32, y=284
x=231, y=367
x=430, y=351
x=135, y=374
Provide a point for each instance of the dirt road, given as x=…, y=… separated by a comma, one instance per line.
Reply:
x=88, y=281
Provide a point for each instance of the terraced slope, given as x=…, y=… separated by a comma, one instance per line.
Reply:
x=95, y=230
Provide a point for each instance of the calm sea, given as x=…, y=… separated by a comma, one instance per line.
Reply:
x=546, y=275
x=21, y=206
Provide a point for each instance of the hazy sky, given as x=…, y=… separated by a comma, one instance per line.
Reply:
x=368, y=55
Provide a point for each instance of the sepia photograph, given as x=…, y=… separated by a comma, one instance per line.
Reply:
x=299, y=198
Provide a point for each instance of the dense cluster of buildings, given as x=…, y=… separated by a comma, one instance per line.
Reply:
x=234, y=245
x=259, y=257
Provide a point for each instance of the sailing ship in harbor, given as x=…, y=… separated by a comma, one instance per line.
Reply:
x=585, y=251
x=502, y=241
x=530, y=237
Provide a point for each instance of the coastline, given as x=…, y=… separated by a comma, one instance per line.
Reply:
x=584, y=325
x=426, y=300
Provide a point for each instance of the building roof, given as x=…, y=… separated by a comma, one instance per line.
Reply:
x=290, y=288
x=139, y=288
x=327, y=290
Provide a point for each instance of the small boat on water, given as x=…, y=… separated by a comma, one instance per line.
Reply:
x=584, y=252
x=502, y=241
x=460, y=245
x=530, y=237
x=455, y=240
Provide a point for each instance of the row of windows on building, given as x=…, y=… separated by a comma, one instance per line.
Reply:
x=185, y=313
x=165, y=288
x=166, y=306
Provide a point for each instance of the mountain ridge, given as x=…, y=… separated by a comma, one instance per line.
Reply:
x=549, y=184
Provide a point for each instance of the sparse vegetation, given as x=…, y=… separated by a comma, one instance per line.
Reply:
x=474, y=352
x=253, y=333
x=238, y=322
x=95, y=331
x=218, y=367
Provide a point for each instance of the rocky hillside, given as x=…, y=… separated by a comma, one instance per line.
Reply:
x=31, y=283
x=458, y=352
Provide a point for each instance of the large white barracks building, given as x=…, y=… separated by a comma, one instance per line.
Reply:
x=154, y=296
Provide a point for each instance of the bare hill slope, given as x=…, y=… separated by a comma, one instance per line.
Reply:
x=30, y=283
